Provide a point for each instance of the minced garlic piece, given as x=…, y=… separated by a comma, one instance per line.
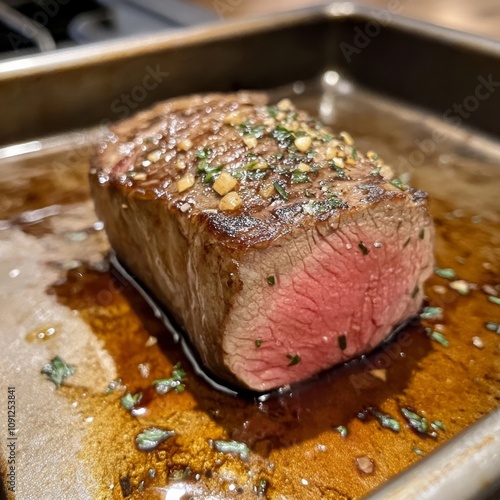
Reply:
x=154, y=156
x=225, y=183
x=267, y=191
x=260, y=165
x=284, y=105
x=303, y=143
x=250, y=141
x=234, y=118
x=303, y=167
x=231, y=201
x=185, y=182
x=338, y=162
x=180, y=165
x=347, y=138
x=184, y=145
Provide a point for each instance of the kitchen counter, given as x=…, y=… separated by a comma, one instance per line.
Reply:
x=480, y=16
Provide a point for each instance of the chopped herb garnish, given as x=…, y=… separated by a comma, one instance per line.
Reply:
x=293, y=359
x=262, y=487
x=308, y=193
x=416, y=422
x=405, y=244
x=250, y=165
x=437, y=337
x=447, y=273
x=58, y=371
x=492, y=327
x=397, y=183
x=113, y=385
x=283, y=135
x=342, y=340
x=299, y=177
x=273, y=111
x=179, y=474
x=277, y=156
x=258, y=343
x=418, y=451
x=149, y=439
x=178, y=372
x=342, y=430
x=438, y=425
x=339, y=171
x=375, y=171
x=432, y=313
x=364, y=250
x=175, y=382
x=210, y=174
x=334, y=201
x=257, y=131
x=354, y=153
x=203, y=154
x=271, y=280
x=256, y=175
x=494, y=300
x=416, y=289
x=386, y=421
x=281, y=190
x=233, y=447
x=421, y=234
x=130, y=400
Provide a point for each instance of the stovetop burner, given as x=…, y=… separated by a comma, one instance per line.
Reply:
x=30, y=26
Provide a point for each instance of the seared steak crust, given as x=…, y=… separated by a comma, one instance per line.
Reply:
x=248, y=222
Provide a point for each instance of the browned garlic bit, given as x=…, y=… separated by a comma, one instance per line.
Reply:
x=365, y=465
x=184, y=145
x=225, y=183
x=231, y=201
x=185, y=182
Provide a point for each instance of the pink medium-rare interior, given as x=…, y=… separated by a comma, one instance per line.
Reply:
x=332, y=290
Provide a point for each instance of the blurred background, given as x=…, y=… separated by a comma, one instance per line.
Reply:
x=29, y=26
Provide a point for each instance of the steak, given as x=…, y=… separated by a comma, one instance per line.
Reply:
x=273, y=242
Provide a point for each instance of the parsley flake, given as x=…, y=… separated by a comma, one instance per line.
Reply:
x=262, y=487
x=257, y=131
x=58, y=371
x=397, y=183
x=432, y=313
x=283, y=136
x=271, y=280
x=293, y=359
x=416, y=421
x=342, y=430
x=232, y=447
x=130, y=400
x=437, y=337
x=386, y=421
x=299, y=177
x=281, y=190
x=151, y=438
x=492, y=327
x=447, y=273
x=175, y=382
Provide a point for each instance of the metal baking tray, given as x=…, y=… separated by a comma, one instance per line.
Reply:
x=425, y=98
